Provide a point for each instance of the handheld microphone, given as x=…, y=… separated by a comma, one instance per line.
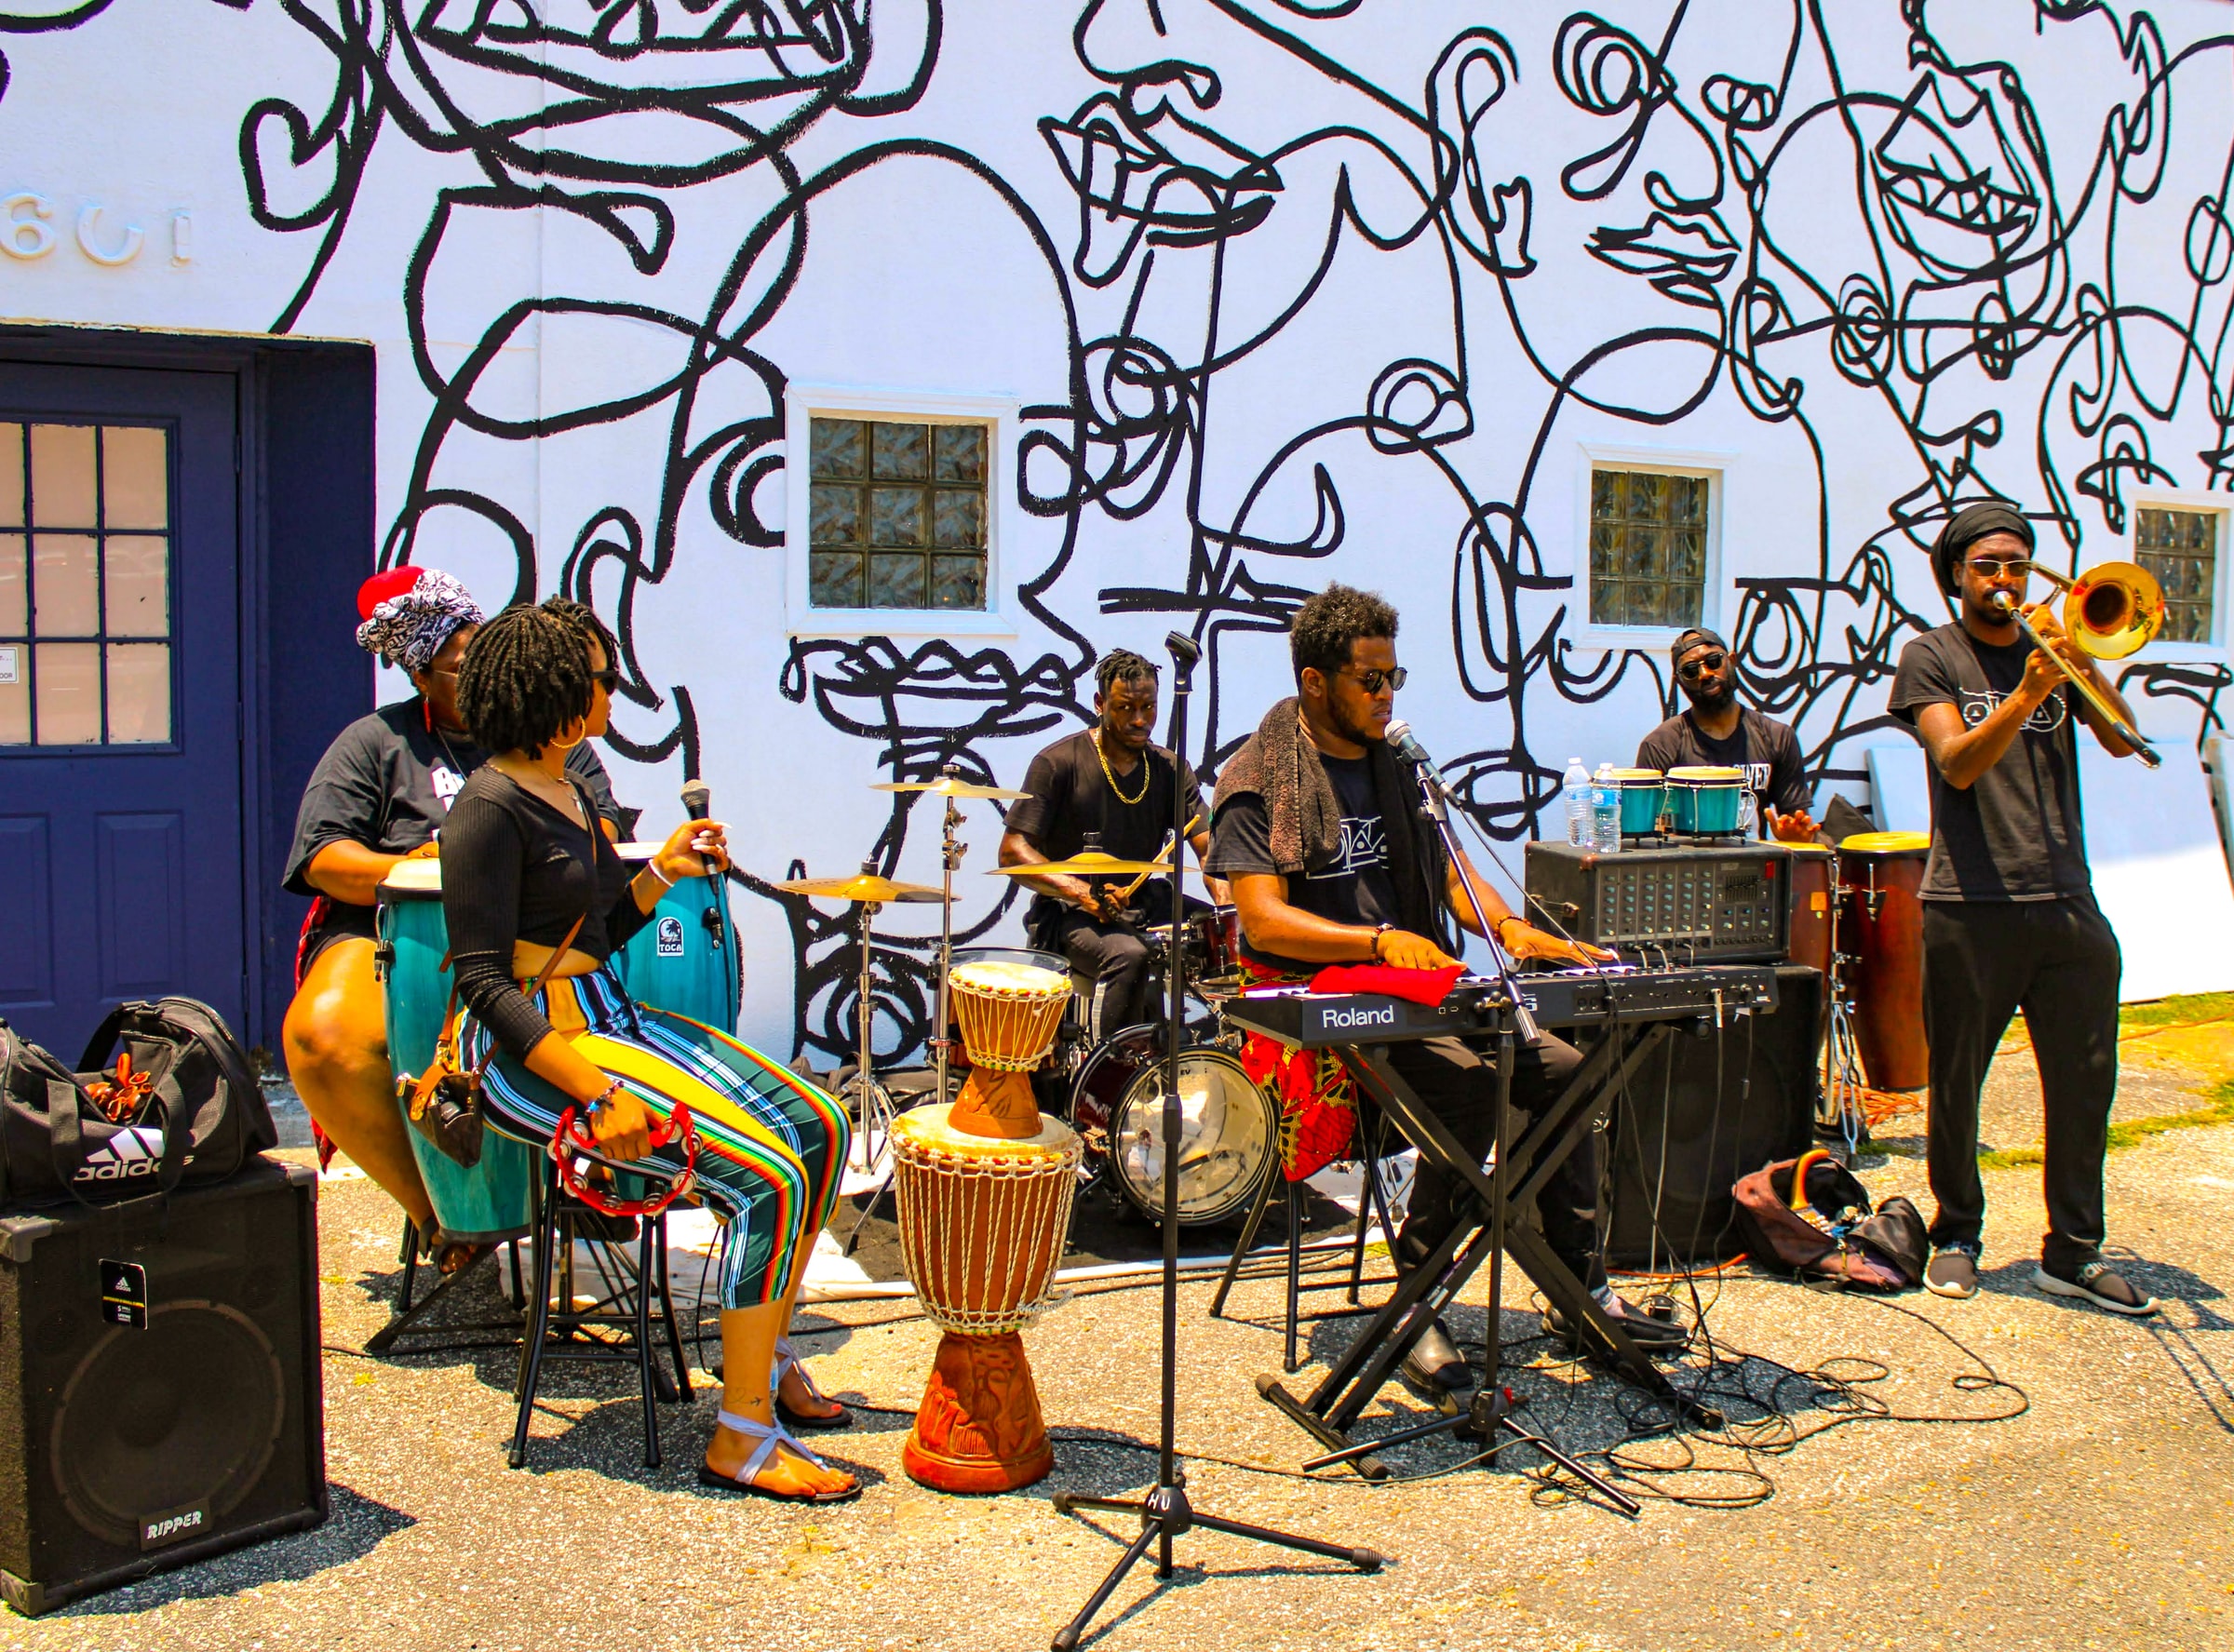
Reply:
x=698, y=798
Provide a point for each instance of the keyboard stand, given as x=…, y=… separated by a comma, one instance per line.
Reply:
x=1426, y=1291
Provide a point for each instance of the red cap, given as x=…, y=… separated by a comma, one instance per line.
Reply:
x=382, y=586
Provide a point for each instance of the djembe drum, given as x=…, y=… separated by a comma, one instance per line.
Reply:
x=984, y=1189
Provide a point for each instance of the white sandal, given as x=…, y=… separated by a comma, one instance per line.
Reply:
x=771, y=1436
x=786, y=1359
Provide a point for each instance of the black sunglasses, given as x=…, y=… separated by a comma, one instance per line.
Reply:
x=607, y=679
x=1691, y=669
x=1371, y=679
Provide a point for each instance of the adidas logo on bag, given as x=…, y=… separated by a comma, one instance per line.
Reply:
x=128, y=1153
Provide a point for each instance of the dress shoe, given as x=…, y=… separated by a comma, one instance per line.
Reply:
x=1434, y=1362
x=1652, y=1334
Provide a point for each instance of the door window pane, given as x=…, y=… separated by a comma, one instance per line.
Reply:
x=139, y=693
x=11, y=475
x=15, y=590
x=65, y=575
x=15, y=695
x=62, y=494
x=66, y=678
x=135, y=477
x=136, y=585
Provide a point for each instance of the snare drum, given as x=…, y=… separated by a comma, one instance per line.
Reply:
x=1644, y=796
x=1706, y=801
x=491, y=1201
x=1882, y=874
x=684, y=960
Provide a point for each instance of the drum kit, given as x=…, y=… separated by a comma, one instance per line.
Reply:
x=1108, y=1090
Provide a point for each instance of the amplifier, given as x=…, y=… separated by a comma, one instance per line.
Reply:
x=159, y=1382
x=1717, y=901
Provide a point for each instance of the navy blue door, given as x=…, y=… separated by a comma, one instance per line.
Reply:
x=120, y=728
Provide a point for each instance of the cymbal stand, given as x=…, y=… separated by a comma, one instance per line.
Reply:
x=950, y=850
x=872, y=1105
x=1165, y=1512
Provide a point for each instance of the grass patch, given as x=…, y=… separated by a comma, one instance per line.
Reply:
x=2187, y=1009
x=2133, y=1132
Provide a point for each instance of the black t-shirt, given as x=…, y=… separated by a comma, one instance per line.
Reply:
x=1765, y=749
x=387, y=781
x=2014, y=834
x=1354, y=888
x=1071, y=797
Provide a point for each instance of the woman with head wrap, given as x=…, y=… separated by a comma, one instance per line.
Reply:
x=380, y=795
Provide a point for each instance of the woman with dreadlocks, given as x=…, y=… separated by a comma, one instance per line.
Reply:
x=530, y=884
x=380, y=795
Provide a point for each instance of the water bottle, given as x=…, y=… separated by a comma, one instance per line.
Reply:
x=1581, y=806
x=1606, y=801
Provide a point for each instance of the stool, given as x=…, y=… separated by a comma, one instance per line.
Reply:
x=616, y=1327
x=407, y=1312
x=1371, y=1203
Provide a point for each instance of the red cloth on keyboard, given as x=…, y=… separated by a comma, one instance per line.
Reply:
x=1421, y=986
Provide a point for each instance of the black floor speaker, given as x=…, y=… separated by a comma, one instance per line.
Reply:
x=1703, y=1112
x=160, y=1386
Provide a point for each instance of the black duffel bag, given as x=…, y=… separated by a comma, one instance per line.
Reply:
x=163, y=1098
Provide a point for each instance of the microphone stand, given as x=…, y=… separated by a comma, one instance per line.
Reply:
x=1165, y=1512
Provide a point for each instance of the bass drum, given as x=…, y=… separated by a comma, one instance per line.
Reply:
x=1226, y=1124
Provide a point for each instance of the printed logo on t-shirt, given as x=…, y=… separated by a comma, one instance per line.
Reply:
x=1977, y=705
x=448, y=782
x=1365, y=845
x=1757, y=776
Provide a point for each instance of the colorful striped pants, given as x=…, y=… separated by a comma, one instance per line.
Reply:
x=771, y=1147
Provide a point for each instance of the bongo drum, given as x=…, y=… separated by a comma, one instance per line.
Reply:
x=984, y=1188
x=491, y=1201
x=684, y=960
x=1880, y=874
x=1706, y=800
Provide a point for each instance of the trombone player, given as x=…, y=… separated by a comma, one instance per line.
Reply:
x=2010, y=919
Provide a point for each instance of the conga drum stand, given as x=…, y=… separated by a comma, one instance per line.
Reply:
x=1165, y=1512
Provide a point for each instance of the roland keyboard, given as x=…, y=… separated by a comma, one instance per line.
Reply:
x=1476, y=1005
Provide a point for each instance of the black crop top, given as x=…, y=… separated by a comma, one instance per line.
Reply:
x=513, y=868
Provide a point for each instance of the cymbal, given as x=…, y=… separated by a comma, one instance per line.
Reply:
x=1087, y=864
x=862, y=886
x=947, y=787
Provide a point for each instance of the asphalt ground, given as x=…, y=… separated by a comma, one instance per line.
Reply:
x=2013, y=1472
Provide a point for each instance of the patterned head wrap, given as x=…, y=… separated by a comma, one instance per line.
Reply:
x=409, y=613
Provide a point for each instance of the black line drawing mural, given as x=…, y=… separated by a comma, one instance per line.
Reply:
x=1811, y=234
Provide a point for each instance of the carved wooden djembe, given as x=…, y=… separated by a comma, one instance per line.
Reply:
x=984, y=1189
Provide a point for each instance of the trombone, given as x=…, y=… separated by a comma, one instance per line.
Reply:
x=2110, y=611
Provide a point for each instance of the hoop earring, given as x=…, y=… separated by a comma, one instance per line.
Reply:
x=570, y=744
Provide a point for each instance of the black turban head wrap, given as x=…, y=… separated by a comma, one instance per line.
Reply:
x=1973, y=523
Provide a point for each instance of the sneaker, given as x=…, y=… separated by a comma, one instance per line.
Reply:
x=2099, y=1284
x=1953, y=1270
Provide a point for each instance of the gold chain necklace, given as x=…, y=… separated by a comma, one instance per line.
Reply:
x=1109, y=776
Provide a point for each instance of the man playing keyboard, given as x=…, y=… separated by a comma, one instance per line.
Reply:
x=1319, y=828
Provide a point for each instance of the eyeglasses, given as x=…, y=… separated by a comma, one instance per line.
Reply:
x=1371, y=681
x=1995, y=567
x=1691, y=669
x=608, y=679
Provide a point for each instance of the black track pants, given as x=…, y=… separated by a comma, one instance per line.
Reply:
x=2058, y=962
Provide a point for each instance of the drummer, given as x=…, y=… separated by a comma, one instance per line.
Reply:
x=1714, y=731
x=380, y=795
x=1112, y=780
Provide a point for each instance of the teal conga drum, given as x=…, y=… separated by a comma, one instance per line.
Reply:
x=684, y=960
x=490, y=1201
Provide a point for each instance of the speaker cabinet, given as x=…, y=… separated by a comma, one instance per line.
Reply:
x=159, y=1383
x=1705, y=1112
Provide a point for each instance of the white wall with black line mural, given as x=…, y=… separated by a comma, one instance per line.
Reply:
x=1247, y=294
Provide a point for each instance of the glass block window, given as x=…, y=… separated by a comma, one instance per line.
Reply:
x=84, y=586
x=899, y=515
x=2181, y=549
x=1648, y=548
